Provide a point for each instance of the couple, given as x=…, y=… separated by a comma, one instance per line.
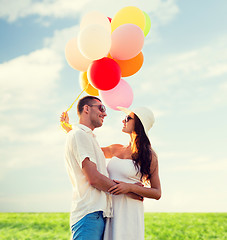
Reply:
x=108, y=201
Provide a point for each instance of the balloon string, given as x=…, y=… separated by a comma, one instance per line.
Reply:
x=77, y=98
x=67, y=125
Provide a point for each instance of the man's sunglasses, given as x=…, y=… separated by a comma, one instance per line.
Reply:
x=101, y=108
x=127, y=118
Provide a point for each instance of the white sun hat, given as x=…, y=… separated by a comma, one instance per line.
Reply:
x=145, y=115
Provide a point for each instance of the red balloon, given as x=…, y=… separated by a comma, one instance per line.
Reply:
x=110, y=19
x=104, y=74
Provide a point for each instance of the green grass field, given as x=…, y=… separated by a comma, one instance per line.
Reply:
x=159, y=226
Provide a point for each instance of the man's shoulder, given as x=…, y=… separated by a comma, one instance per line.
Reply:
x=77, y=132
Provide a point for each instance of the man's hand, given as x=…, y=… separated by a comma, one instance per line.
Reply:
x=64, y=117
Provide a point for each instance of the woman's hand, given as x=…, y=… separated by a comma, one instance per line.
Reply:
x=120, y=188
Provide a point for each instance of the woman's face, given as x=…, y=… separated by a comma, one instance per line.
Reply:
x=129, y=123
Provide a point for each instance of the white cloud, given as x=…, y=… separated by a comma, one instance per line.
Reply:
x=12, y=10
x=220, y=96
x=188, y=201
x=27, y=88
x=196, y=65
x=52, y=135
x=206, y=166
x=60, y=37
x=25, y=80
x=191, y=162
x=163, y=11
x=45, y=202
x=199, y=72
x=30, y=149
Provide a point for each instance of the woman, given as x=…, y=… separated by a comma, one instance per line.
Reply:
x=136, y=162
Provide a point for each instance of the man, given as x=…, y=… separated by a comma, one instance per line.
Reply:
x=86, y=167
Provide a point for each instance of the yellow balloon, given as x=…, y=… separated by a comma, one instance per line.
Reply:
x=147, y=24
x=128, y=15
x=84, y=82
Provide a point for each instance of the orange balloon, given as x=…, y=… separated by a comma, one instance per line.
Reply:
x=84, y=82
x=109, y=56
x=130, y=66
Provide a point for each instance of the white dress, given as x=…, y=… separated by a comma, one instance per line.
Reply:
x=128, y=214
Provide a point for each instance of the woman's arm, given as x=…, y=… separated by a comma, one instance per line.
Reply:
x=107, y=151
x=111, y=150
x=154, y=191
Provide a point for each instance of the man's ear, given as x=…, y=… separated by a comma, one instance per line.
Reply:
x=86, y=109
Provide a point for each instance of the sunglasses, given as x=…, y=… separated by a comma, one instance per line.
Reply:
x=127, y=118
x=101, y=108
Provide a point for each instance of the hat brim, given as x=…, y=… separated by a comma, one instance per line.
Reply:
x=125, y=110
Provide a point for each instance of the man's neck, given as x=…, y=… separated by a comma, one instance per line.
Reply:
x=85, y=123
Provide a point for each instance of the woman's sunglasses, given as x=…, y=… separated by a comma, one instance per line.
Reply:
x=101, y=108
x=127, y=118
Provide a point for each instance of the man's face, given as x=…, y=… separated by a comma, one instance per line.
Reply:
x=97, y=113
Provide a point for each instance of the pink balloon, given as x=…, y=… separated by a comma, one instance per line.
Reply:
x=121, y=95
x=127, y=41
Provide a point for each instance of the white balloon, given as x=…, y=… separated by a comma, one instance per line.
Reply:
x=74, y=57
x=94, y=41
x=95, y=17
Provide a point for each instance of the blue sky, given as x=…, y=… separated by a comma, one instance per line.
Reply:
x=183, y=80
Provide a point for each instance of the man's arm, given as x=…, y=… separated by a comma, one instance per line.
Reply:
x=94, y=177
x=100, y=181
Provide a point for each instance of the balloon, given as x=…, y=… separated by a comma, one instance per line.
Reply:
x=95, y=17
x=121, y=95
x=127, y=42
x=131, y=66
x=104, y=74
x=94, y=41
x=128, y=15
x=147, y=24
x=74, y=57
x=84, y=82
x=110, y=19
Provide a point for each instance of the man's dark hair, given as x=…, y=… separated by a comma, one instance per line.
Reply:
x=87, y=100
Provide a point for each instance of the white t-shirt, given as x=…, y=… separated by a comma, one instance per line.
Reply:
x=80, y=144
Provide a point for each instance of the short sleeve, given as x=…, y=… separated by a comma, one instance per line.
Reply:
x=83, y=147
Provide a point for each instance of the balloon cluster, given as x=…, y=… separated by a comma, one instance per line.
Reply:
x=106, y=50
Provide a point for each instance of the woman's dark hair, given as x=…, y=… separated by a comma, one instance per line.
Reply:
x=87, y=100
x=141, y=151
